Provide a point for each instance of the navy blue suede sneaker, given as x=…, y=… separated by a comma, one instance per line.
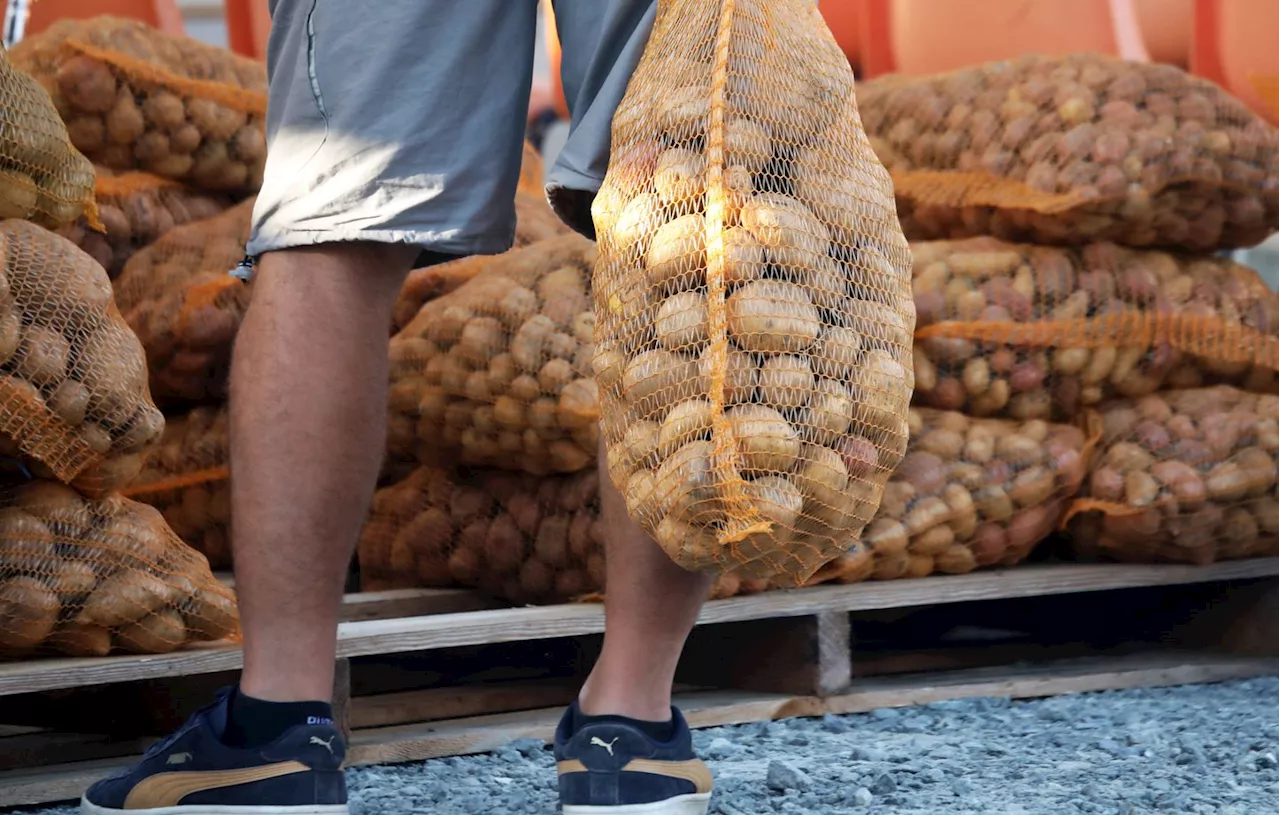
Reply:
x=613, y=768
x=193, y=773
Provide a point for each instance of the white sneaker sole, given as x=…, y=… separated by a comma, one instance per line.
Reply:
x=691, y=804
x=88, y=808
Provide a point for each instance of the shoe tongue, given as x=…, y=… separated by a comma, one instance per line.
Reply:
x=216, y=714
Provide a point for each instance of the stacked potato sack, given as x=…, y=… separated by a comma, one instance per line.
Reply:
x=136, y=209
x=186, y=476
x=135, y=98
x=522, y=538
x=969, y=492
x=753, y=317
x=1184, y=476
x=83, y=574
x=498, y=372
x=44, y=179
x=1107, y=161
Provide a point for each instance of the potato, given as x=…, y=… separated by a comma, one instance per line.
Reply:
x=18, y=195
x=637, y=221
x=766, y=441
x=686, y=421
x=747, y=144
x=786, y=382
x=656, y=378
x=157, y=633
x=681, y=323
x=686, y=486
x=211, y=616
x=772, y=317
x=42, y=356
x=789, y=232
x=77, y=640
x=743, y=256
x=29, y=610
x=740, y=376
x=678, y=178
x=124, y=598
x=87, y=84
x=677, y=255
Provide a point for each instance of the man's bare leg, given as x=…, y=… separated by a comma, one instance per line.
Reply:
x=308, y=414
x=650, y=608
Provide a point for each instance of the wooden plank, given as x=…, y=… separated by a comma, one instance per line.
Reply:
x=718, y=708
x=791, y=655
x=514, y=624
x=386, y=709
x=383, y=605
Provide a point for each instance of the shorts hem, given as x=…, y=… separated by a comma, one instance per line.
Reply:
x=280, y=241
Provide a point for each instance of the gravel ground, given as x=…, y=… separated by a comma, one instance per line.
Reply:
x=1186, y=750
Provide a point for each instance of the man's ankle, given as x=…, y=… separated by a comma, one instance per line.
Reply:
x=255, y=722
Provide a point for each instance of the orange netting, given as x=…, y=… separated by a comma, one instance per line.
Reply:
x=86, y=577
x=43, y=178
x=1037, y=332
x=187, y=478
x=136, y=209
x=535, y=222
x=523, y=538
x=752, y=304
x=499, y=371
x=1182, y=476
x=969, y=493
x=135, y=98
x=73, y=382
x=532, y=173
x=180, y=297
x=1074, y=149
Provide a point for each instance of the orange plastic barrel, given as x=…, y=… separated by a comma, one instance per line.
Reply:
x=553, y=56
x=1166, y=29
x=248, y=26
x=1248, y=52
x=842, y=18
x=929, y=36
x=161, y=14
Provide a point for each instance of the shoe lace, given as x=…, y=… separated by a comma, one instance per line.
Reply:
x=192, y=720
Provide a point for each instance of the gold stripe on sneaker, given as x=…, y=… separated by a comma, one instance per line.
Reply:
x=571, y=766
x=168, y=789
x=692, y=770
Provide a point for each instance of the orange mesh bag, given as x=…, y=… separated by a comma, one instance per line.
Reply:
x=86, y=577
x=1038, y=332
x=136, y=209
x=498, y=373
x=74, y=401
x=532, y=172
x=179, y=295
x=186, y=477
x=523, y=538
x=1074, y=149
x=969, y=493
x=1182, y=476
x=43, y=178
x=135, y=98
x=535, y=222
x=752, y=304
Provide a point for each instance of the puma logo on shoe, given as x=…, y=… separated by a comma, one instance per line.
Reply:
x=179, y=758
x=328, y=745
x=596, y=741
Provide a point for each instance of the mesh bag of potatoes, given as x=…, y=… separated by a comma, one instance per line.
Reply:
x=498, y=373
x=86, y=577
x=74, y=402
x=1038, y=332
x=135, y=98
x=1182, y=476
x=968, y=493
x=135, y=210
x=186, y=477
x=535, y=221
x=1074, y=149
x=43, y=178
x=522, y=538
x=753, y=311
x=180, y=297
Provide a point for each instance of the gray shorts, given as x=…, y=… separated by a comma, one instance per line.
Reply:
x=402, y=121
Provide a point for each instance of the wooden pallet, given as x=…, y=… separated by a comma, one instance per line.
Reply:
x=428, y=673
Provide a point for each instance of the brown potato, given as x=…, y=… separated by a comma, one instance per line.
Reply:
x=29, y=610
x=157, y=633
x=772, y=317
x=766, y=441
